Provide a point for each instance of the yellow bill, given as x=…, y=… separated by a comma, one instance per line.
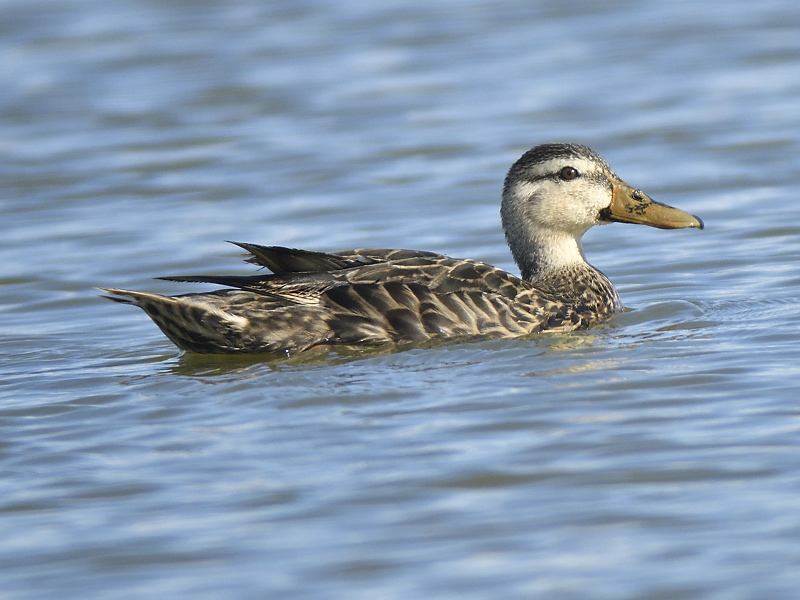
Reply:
x=629, y=205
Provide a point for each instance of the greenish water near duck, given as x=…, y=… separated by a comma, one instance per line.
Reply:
x=655, y=456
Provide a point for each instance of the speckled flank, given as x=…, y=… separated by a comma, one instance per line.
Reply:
x=419, y=297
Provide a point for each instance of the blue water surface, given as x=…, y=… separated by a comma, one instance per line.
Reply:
x=655, y=457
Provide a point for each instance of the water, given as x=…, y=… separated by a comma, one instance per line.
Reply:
x=657, y=457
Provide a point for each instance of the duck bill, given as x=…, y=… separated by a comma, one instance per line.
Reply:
x=629, y=205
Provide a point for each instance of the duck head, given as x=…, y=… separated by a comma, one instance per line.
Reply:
x=555, y=192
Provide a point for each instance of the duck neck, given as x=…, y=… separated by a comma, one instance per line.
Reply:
x=547, y=253
x=555, y=263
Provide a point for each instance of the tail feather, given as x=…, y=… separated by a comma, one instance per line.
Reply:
x=281, y=260
x=117, y=298
x=243, y=281
x=192, y=325
x=229, y=321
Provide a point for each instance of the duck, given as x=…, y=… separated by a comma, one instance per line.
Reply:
x=394, y=297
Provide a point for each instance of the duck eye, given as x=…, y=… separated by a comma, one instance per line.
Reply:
x=568, y=173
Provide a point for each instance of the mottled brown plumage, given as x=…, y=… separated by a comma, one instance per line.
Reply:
x=552, y=195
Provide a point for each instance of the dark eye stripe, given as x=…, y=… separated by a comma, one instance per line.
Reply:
x=597, y=177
